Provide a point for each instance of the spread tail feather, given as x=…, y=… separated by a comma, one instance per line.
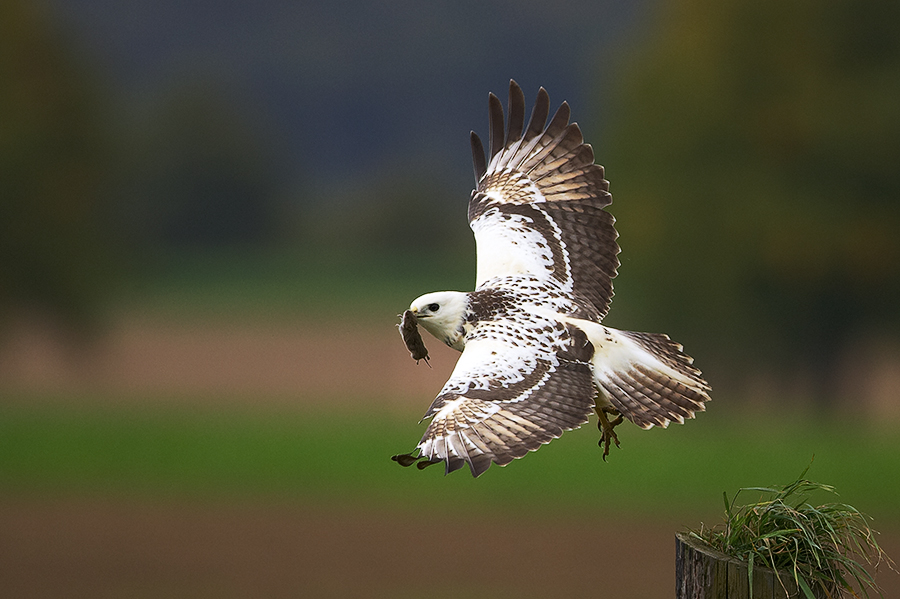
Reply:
x=648, y=378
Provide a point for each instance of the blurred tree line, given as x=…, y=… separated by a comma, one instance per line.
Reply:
x=756, y=163
x=195, y=171
x=54, y=243
x=753, y=157
x=95, y=188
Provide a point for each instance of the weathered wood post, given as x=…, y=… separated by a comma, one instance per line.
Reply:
x=703, y=573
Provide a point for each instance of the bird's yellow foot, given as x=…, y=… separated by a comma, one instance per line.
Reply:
x=607, y=434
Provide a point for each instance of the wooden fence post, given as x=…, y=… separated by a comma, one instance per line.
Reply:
x=703, y=573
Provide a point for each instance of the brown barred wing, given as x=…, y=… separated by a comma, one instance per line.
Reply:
x=520, y=383
x=538, y=205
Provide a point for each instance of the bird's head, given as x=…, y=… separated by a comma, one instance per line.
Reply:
x=442, y=314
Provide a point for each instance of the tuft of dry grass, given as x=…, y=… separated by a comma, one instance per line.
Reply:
x=825, y=547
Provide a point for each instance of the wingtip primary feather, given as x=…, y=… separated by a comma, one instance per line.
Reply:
x=478, y=159
x=495, y=108
x=516, y=106
x=538, y=114
x=559, y=122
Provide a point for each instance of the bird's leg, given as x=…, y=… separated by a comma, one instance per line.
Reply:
x=607, y=434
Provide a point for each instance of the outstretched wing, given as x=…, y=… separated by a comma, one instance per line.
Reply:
x=521, y=381
x=538, y=205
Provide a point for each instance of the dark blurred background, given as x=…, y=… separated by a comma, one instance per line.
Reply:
x=752, y=149
x=203, y=200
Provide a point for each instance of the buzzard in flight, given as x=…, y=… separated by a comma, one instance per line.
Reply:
x=536, y=358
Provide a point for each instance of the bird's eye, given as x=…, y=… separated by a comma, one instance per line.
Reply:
x=434, y=307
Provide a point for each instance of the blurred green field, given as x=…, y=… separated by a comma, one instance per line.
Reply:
x=200, y=451
x=282, y=283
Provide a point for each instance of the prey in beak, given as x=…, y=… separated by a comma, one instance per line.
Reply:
x=409, y=331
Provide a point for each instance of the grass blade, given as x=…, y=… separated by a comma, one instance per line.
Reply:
x=817, y=545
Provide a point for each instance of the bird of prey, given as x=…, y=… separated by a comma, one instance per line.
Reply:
x=536, y=358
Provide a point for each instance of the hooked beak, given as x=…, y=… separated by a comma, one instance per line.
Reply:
x=417, y=314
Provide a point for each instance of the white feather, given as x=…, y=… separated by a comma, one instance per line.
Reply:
x=508, y=245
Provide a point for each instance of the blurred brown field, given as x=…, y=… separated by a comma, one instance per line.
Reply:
x=109, y=547
x=285, y=361
x=293, y=359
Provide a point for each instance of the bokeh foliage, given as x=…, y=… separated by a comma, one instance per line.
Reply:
x=55, y=248
x=753, y=159
x=755, y=162
x=198, y=172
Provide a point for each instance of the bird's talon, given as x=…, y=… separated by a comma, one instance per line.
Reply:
x=607, y=434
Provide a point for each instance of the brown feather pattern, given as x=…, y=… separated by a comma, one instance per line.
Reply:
x=557, y=163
